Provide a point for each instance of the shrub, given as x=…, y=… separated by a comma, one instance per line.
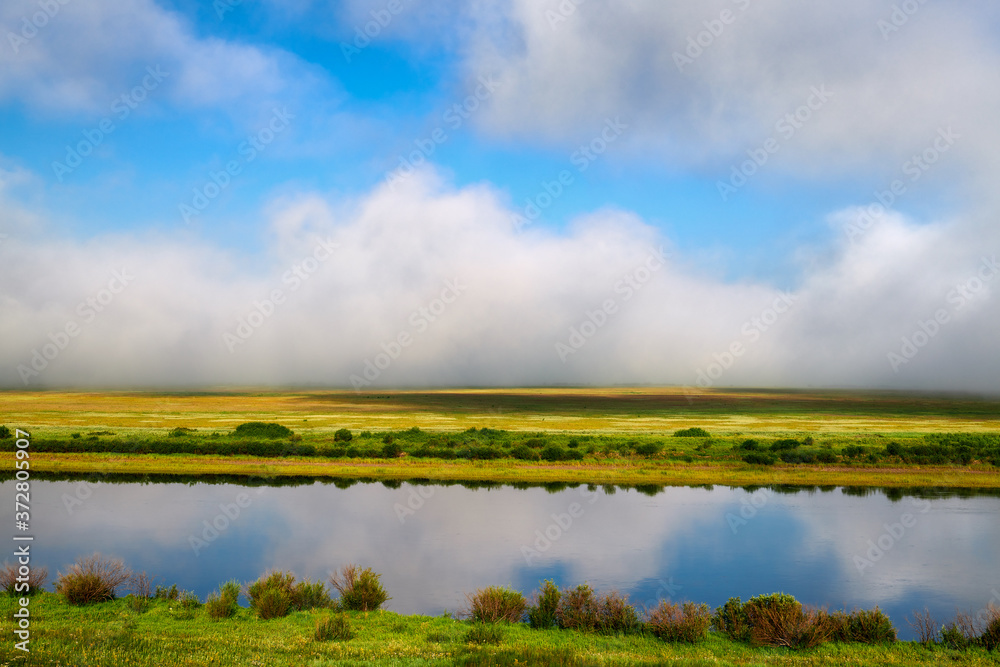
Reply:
x=225, y=602
x=784, y=445
x=542, y=614
x=759, y=459
x=854, y=451
x=164, y=593
x=496, y=603
x=864, y=626
x=335, y=628
x=262, y=430
x=693, y=432
x=344, y=435
x=34, y=584
x=485, y=633
x=731, y=619
x=990, y=639
x=648, y=448
x=680, y=623
x=574, y=455
x=271, y=603
x=553, y=453
x=5, y=433
x=92, y=579
x=615, y=614
x=750, y=445
x=797, y=457
x=391, y=451
x=535, y=443
x=578, y=609
x=360, y=590
x=826, y=457
x=181, y=431
x=271, y=595
x=780, y=620
x=525, y=453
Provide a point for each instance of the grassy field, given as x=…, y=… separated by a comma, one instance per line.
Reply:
x=618, y=410
x=115, y=634
x=599, y=435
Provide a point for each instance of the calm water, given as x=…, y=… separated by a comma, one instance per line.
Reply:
x=433, y=544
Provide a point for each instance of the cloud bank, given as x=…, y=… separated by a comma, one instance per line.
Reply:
x=423, y=283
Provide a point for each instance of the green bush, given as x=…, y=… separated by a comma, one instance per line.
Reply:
x=496, y=603
x=574, y=455
x=854, y=451
x=579, y=609
x=680, y=623
x=5, y=433
x=826, y=457
x=759, y=459
x=360, y=590
x=784, y=445
x=181, y=432
x=749, y=445
x=990, y=639
x=92, y=579
x=344, y=435
x=553, y=453
x=225, y=602
x=542, y=614
x=272, y=603
x=391, y=451
x=485, y=633
x=693, y=432
x=271, y=596
x=525, y=453
x=336, y=628
x=262, y=430
x=731, y=619
x=648, y=448
x=863, y=626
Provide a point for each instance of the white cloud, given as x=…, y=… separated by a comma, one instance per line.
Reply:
x=520, y=294
x=88, y=54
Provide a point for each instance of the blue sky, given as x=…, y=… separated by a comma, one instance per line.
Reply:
x=822, y=107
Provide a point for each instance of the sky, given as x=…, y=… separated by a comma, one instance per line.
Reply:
x=400, y=193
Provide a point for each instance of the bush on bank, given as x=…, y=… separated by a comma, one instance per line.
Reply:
x=775, y=619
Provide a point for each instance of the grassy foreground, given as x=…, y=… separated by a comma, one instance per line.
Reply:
x=113, y=633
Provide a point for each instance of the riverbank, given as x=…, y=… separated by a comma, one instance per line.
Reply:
x=118, y=633
x=511, y=471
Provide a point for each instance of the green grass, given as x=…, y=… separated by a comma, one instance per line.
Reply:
x=113, y=634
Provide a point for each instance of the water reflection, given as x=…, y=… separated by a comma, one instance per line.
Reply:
x=434, y=543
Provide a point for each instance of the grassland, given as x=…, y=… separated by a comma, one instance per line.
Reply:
x=116, y=634
x=601, y=432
